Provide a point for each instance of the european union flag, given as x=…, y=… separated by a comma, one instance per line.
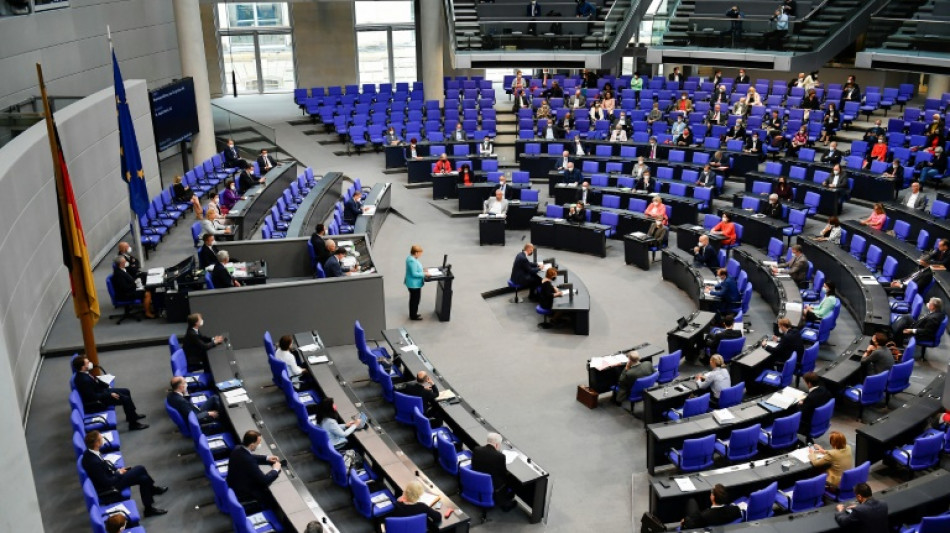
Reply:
x=132, y=171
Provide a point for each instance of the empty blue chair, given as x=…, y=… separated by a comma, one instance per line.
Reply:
x=405, y=404
x=731, y=396
x=820, y=420
x=930, y=524
x=424, y=431
x=696, y=454
x=742, y=444
x=783, y=433
x=760, y=504
x=449, y=457
x=669, y=367
x=888, y=271
x=370, y=504
x=195, y=380
x=868, y=393
x=781, y=379
x=849, y=479
x=898, y=378
x=922, y=454
x=825, y=326
x=406, y=524
x=692, y=407
x=809, y=358
x=477, y=489
x=776, y=249
x=804, y=495
x=729, y=348
x=264, y=521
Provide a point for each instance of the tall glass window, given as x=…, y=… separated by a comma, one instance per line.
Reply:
x=386, y=41
x=257, y=46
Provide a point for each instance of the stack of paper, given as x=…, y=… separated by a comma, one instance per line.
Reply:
x=445, y=395
x=510, y=456
x=784, y=398
x=723, y=416
x=433, y=271
x=236, y=396
x=409, y=348
x=312, y=347
x=317, y=359
x=685, y=484
x=369, y=210
x=429, y=499
x=801, y=454
x=607, y=361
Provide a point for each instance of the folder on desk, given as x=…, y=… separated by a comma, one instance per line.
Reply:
x=317, y=359
x=429, y=499
x=723, y=416
x=445, y=395
x=685, y=484
x=230, y=384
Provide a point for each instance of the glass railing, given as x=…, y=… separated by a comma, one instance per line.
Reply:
x=18, y=118
x=931, y=37
x=724, y=32
x=227, y=123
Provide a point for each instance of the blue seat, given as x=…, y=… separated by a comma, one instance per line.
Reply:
x=797, y=220
x=901, y=304
x=742, y=444
x=814, y=294
x=195, y=380
x=922, y=454
x=263, y=522
x=821, y=335
x=92, y=499
x=760, y=504
x=776, y=249
x=99, y=420
x=850, y=479
x=203, y=449
x=804, y=495
x=898, y=378
x=128, y=306
x=639, y=386
x=731, y=396
x=821, y=420
x=425, y=433
x=404, y=405
x=868, y=393
x=219, y=443
x=696, y=454
x=692, y=407
x=111, y=439
x=319, y=442
x=783, y=433
x=406, y=524
x=208, y=283
x=930, y=524
x=370, y=504
x=729, y=348
x=367, y=354
x=669, y=366
x=807, y=365
x=477, y=489
x=779, y=380
x=449, y=457
x=933, y=343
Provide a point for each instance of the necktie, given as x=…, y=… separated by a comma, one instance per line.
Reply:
x=653, y=153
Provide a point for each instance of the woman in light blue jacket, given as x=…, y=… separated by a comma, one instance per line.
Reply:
x=415, y=278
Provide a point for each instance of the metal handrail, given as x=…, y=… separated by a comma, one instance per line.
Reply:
x=449, y=6
x=815, y=10
x=267, y=132
x=894, y=19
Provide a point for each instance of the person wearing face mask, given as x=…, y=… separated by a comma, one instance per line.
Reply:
x=245, y=476
x=230, y=196
x=391, y=138
x=196, y=345
x=330, y=420
x=837, y=178
x=207, y=254
x=95, y=394
x=657, y=232
x=231, y=157
x=133, y=266
x=178, y=400
x=125, y=288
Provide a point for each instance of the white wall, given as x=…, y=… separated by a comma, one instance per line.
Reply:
x=34, y=281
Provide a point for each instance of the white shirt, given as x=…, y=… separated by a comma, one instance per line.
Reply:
x=288, y=359
x=912, y=200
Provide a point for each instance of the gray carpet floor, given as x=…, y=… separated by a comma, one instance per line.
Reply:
x=519, y=377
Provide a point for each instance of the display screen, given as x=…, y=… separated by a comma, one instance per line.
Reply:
x=174, y=113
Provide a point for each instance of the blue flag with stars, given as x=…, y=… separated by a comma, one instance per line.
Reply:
x=129, y=155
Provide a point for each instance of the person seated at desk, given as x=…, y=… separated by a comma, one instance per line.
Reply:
x=210, y=224
x=231, y=157
x=716, y=117
x=496, y=205
x=874, y=132
x=584, y=194
x=878, y=152
x=247, y=180
x=284, y=354
x=266, y=162
x=245, y=477
x=618, y=134
x=94, y=392
x=207, y=253
x=487, y=147
x=685, y=138
x=319, y=243
x=133, y=265
x=727, y=331
x=579, y=147
x=524, y=272
x=833, y=157
x=409, y=505
x=334, y=268
x=125, y=288
x=353, y=208
x=716, y=379
x=720, y=163
x=895, y=173
x=652, y=148
x=913, y=198
x=772, y=208
x=466, y=177
x=178, y=399
x=632, y=371
x=657, y=233
x=877, y=357
x=229, y=197
x=221, y=278
x=830, y=123
x=183, y=193
x=740, y=109
x=876, y=219
x=753, y=145
x=836, y=460
x=937, y=259
x=645, y=182
x=924, y=328
x=867, y=516
x=827, y=305
x=488, y=459
x=726, y=228
x=656, y=210
x=196, y=346
x=831, y=231
x=443, y=165
x=799, y=140
x=936, y=167
x=458, y=134
x=578, y=101
x=564, y=161
x=789, y=342
x=544, y=110
x=727, y=290
x=391, y=138
x=796, y=267
x=548, y=130
x=423, y=387
x=503, y=185
x=412, y=151
x=597, y=112
x=521, y=101
x=720, y=512
x=655, y=114
x=678, y=127
x=817, y=396
x=547, y=292
x=116, y=523
x=577, y=213
x=106, y=477
x=330, y=420
x=705, y=255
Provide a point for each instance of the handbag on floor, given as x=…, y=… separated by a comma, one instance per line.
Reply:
x=649, y=523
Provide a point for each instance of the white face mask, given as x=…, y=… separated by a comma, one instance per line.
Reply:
x=200, y=324
x=88, y=365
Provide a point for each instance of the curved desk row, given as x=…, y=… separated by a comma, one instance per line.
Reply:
x=762, y=199
x=780, y=292
x=939, y=228
x=758, y=229
x=528, y=479
x=678, y=268
x=662, y=185
x=379, y=200
x=867, y=185
x=681, y=209
x=317, y=206
x=845, y=370
x=858, y=289
x=829, y=200
x=420, y=169
x=396, y=155
x=558, y=233
x=249, y=212
x=381, y=454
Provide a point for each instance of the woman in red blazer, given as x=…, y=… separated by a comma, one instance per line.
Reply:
x=443, y=165
x=727, y=229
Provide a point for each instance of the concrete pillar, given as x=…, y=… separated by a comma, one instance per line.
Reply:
x=431, y=22
x=191, y=49
x=938, y=85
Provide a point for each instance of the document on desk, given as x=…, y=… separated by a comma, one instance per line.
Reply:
x=446, y=394
x=510, y=456
x=312, y=347
x=723, y=416
x=429, y=499
x=607, y=361
x=155, y=276
x=801, y=454
x=236, y=396
x=410, y=348
x=868, y=280
x=685, y=484
x=770, y=263
x=639, y=234
x=784, y=398
x=317, y=359
x=434, y=271
x=369, y=210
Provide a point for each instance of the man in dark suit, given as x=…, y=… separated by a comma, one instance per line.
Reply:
x=572, y=174
x=727, y=291
x=705, y=255
x=577, y=213
x=871, y=135
x=245, y=477
x=423, y=387
x=938, y=259
x=817, y=396
x=658, y=232
x=716, y=117
x=488, y=459
x=645, y=183
x=221, y=278
x=178, y=399
x=524, y=272
x=789, y=342
x=106, y=477
x=675, y=75
x=924, y=328
x=231, y=157
x=719, y=513
x=123, y=283
x=248, y=180
x=353, y=208
x=503, y=186
x=742, y=77
x=320, y=244
x=458, y=134
x=772, y=208
x=564, y=125
x=584, y=195
x=333, y=268
x=868, y=516
x=207, y=254
x=632, y=371
x=521, y=100
x=833, y=157
x=196, y=345
x=796, y=267
x=725, y=332
x=133, y=266
x=266, y=162
x=753, y=145
x=95, y=394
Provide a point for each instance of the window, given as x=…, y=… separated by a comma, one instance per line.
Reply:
x=257, y=46
x=386, y=41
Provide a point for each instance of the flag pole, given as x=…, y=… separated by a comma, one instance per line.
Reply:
x=134, y=223
x=86, y=320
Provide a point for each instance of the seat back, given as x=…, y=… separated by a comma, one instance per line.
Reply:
x=776, y=247
x=731, y=396
x=476, y=488
x=362, y=499
x=785, y=431
x=808, y=493
x=761, y=503
x=729, y=348
x=821, y=419
x=406, y=524
x=177, y=419
x=423, y=428
x=744, y=443
x=935, y=524
x=669, y=367
x=926, y=452
x=808, y=360
x=696, y=406
x=850, y=478
x=939, y=335
x=640, y=385
x=697, y=453
x=404, y=405
x=898, y=378
x=873, y=390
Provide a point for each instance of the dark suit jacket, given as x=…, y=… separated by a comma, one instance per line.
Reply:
x=124, y=285
x=753, y=145
x=351, y=210
x=833, y=157
x=772, y=210
x=572, y=176
x=133, y=266
x=246, y=181
x=927, y=325
x=487, y=460
x=578, y=196
x=245, y=476
x=790, y=342
x=524, y=272
x=103, y=474
x=713, y=339
x=433, y=517
x=91, y=390
x=428, y=396
x=332, y=267
x=812, y=401
x=579, y=216
x=714, y=516
x=196, y=346
x=231, y=158
x=184, y=406
x=207, y=256
x=867, y=517
x=533, y=10
x=728, y=291
x=708, y=257
x=320, y=248
x=263, y=162
x=640, y=185
x=220, y=277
